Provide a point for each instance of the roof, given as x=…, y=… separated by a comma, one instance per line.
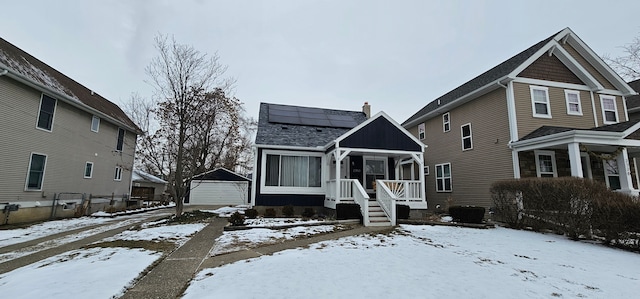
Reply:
x=634, y=101
x=141, y=176
x=21, y=63
x=273, y=133
x=550, y=130
x=221, y=174
x=497, y=72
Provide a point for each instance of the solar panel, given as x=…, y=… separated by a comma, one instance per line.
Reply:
x=307, y=116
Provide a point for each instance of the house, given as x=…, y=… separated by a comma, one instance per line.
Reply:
x=315, y=157
x=65, y=149
x=554, y=109
x=219, y=187
x=633, y=102
x=146, y=187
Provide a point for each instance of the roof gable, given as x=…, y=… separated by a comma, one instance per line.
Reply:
x=380, y=132
x=220, y=174
x=509, y=69
x=22, y=66
x=292, y=135
x=549, y=67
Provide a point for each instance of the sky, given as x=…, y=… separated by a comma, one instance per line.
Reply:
x=396, y=55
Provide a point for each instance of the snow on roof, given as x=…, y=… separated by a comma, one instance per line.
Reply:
x=141, y=176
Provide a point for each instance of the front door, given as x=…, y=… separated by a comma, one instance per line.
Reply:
x=375, y=168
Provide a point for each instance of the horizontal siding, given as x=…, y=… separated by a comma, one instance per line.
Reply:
x=473, y=171
x=69, y=145
x=557, y=101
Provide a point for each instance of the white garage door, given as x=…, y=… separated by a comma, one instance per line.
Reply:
x=218, y=193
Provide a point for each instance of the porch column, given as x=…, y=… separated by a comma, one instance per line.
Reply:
x=574, y=160
x=337, y=185
x=624, y=170
x=421, y=170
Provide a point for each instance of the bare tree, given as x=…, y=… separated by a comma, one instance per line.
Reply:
x=627, y=65
x=193, y=123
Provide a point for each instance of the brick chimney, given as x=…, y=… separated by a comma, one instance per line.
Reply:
x=366, y=109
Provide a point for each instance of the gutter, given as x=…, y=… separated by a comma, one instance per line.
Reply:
x=69, y=100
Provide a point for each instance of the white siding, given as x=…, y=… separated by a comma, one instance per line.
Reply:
x=218, y=193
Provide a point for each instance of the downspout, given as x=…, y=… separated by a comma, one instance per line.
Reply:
x=4, y=73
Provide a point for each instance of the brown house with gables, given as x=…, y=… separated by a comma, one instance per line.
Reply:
x=555, y=109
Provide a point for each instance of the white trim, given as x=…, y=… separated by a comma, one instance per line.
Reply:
x=589, y=174
x=593, y=108
x=85, y=170
x=53, y=116
x=117, y=176
x=567, y=93
x=447, y=122
x=290, y=190
x=462, y=137
x=624, y=108
x=602, y=110
x=443, y=178
x=253, y=176
x=612, y=92
x=287, y=147
x=607, y=175
x=515, y=160
x=551, y=83
x=26, y=182
x=426, y=170
x=376, y=151
x=93, y=117
x=511, y=108
x=533, y=88
x=422, y=130
x=554, y=169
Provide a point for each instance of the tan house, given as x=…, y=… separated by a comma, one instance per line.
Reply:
x=633, y=102
x=555, y=109
x=63, y=145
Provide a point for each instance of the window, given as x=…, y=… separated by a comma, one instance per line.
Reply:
x=446, y=123
x=546, y=164
x=88, y=170
x=374, y=169
x=540, y=101
x=467, y=141
x=293, y=171
x=609, y=111
x=573, y=102
x=120, y=143
x=443, y=177
x=95, y=124
x=118, y=174
x=35, y=177
x=47, y=110
x=421, y=131
x=426, y=170
x=612, y=174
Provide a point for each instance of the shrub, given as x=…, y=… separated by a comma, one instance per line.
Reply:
x=251, y=213
x=270, y=213
x=308, y=212
x=467, y=214
x=402, y=211
x=287, y=211
x=236, y=219
x=348, y=211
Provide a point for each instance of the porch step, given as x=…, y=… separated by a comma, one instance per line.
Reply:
x=377, y=217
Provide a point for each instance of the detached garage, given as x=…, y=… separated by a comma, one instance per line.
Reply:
x=219, y=187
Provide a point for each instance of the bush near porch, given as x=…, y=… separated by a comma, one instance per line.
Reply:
x=579, y=208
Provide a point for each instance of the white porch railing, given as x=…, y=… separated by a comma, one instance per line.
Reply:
x=404, y=191
x=361, y=197
x=346, y=190
x=387, y=200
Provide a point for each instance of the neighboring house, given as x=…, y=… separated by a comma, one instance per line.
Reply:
x=555, y=109
x=147, y=187
x=219, y=187
x=300, y=151
x=60, y=140
x=633, y=102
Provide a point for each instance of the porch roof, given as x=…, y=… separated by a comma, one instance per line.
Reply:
x=297, y=135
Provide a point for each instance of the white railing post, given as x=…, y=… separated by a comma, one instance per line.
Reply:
x=361, y=197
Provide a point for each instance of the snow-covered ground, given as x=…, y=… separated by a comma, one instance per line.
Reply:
x=95, y=272
x=431, y=262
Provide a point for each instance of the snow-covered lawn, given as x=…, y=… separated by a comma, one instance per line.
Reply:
x=231, y=241
x=431, y=262
x=95, y=272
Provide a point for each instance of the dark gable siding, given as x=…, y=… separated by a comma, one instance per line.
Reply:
x=380, y=134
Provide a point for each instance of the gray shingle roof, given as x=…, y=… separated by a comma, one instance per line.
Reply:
x=485, y=78
x=634, y=101
x=299, y=135
x=550, y=130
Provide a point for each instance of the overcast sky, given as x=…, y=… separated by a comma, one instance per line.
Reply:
x=397, y=55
